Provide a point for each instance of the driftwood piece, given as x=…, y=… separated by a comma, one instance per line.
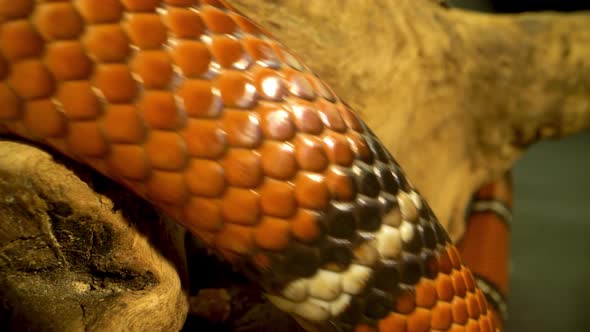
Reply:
x=71, y=261
x=456, y=96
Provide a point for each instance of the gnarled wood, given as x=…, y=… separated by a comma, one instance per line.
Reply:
x=70, y=260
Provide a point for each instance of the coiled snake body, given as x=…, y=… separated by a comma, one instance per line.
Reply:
x=194, y=107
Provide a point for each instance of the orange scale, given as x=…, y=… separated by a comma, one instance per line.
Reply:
x=299, y=85
x=228, y=52
x=393, y=323
x=100, y=11
x=122, y=124
x=43, y=119
x=457, y=328
x=116, y=83
x=141, y=5
x=469, y=279
x=100, y=165
x=218, y=21
x=203, y=214
x=241, y=206
x=338, y=149
x=67, y=60
x=242, y=168
x=86, y=139
x=204, y=139
x=246, y=24
x=277, y=199
x=481, y=301
x=330, y=116
x=11, y=104
x=288, y=58
x=444, y=287
x=184, y=23
x=192, y=57
x=459, y=308
x=160, y=111
x=215, y=3
x=199, y=100
x=472, y=326
x=454, y=257
x=261, y=52
x=269, y=84
x=205, y=178
x=311, y=191
x=182, y=3
x=16, y=9
x=365, y=328
x=20, y=39
x=166, y=150
x=30, y=79
x=444, y=262
x=276, y=122
x=459, y=283
x=167, y=187
x=442, y=316
x=306, y=117
x=242, y=129
x=146, y=30
x=272, y=234
x=237, y=89
x=107, y=42
x=305, y=225
x=309, y=153
x=78, y=100
x=323, y=89
x=278, y=160
x=426, y=293
x=236, y=239
x=154, y=69
x=350, y=118
x=419, y=320
x=472, y=306
x=129, y=161
x=495, y=319
x=340, y=183
x=359, y=147
x=484, y=325
x=70, y=23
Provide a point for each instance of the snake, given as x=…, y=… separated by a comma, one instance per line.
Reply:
x=197, y=109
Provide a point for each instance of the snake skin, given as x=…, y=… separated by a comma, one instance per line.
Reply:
x=194, y=107
x=484, y=246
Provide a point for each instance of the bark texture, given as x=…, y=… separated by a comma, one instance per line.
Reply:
x=71, y=261
x=456, y=96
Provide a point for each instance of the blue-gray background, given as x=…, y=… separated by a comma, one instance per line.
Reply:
x=550, y=254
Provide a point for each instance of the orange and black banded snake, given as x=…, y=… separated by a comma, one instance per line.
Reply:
x=195, y=108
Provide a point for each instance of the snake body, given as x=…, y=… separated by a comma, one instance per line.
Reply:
x=194, y=107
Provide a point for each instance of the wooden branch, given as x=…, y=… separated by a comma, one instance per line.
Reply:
x=456, y=96
x=69, y=259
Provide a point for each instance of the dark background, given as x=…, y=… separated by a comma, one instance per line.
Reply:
x=550, y=253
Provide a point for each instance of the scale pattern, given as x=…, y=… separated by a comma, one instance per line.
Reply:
x=195, y=108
